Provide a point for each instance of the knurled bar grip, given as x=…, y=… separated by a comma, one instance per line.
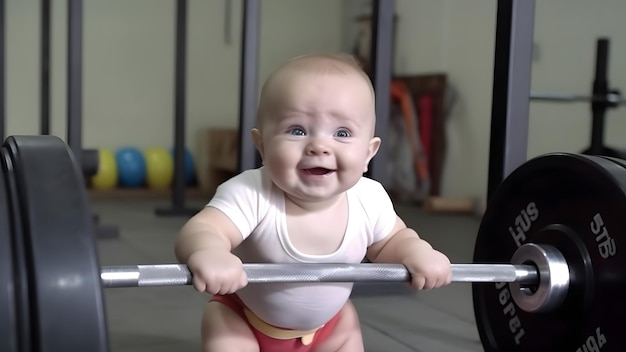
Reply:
x=179, y=275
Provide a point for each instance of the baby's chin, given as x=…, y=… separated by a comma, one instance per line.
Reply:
x=312, y=197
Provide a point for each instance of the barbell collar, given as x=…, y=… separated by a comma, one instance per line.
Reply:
x=179, y=274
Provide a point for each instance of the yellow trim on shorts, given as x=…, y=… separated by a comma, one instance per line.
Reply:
x=306, y=336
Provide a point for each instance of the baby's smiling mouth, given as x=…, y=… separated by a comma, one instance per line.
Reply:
x=318, y=171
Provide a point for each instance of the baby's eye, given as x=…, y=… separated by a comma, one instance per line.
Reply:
x=343, y=133
x=296, y=131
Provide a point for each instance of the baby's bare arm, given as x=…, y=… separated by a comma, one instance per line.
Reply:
x=429, y=268
x=204, y=243
x=393, y=248
x=209, y=229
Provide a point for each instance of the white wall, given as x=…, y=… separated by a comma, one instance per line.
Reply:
x=418, y=26
x=566, y=33
x=128, y=96
x=455, y=37
x=468, y=45
x=459, y=36
x=129, y=53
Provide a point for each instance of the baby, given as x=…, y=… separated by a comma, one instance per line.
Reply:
x=308, y=203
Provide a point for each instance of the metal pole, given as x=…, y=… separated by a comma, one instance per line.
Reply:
x=2, y=71
x=75, y=93
x=248, y=156
x=611, y=99
x=511, y=89
x=75, y=78
x=178, y=191
x=44, y=127
x=179, y=274
x=381, y=62
x=180, y=93
x=600, y=88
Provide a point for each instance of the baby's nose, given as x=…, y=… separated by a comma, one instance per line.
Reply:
x=317, y=147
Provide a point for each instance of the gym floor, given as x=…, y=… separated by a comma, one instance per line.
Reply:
x=167, y=318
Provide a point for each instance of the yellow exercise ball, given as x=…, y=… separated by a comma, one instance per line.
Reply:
x=159, y=168
x=106, y=177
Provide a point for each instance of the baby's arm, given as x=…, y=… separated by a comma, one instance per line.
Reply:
x=429, y=268
x=204, y=243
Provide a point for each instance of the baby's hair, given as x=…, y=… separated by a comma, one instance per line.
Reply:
x=328, y=63
x=323, y=64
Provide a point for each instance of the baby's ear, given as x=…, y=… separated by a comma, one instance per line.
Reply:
x=258, y=141
x=372, y=149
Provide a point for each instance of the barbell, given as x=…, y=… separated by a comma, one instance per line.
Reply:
x=178, y=274
x=548, y=274
x=612, y=98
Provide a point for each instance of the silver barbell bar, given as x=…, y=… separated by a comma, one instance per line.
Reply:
x=179, y=274
x=613, y=98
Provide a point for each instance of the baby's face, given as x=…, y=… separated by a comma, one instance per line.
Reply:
x=316, y=138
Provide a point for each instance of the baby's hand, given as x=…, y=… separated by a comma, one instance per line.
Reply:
x=429, y=268
x=217, y=272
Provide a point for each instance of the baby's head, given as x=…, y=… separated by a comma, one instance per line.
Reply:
x=308, y=67
x=315, y=126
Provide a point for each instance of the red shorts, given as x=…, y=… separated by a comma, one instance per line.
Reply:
x=271, y=344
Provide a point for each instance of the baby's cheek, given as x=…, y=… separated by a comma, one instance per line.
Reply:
x=283, y=157
x=357, y=159
x=280, y=165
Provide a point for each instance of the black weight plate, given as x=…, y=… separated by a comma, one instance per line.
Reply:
x=576, y=203
x=18, y=258
x=67, y=305
x=21, y=294
x=9, y=329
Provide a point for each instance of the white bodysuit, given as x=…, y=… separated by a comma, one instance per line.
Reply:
x=257, y=207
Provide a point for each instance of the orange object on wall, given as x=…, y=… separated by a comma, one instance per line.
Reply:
x=400, y=93
x=427, y=95
x=425, y=109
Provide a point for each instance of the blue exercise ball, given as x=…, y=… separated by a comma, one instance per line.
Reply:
x=131, y=167
x=190, y=168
